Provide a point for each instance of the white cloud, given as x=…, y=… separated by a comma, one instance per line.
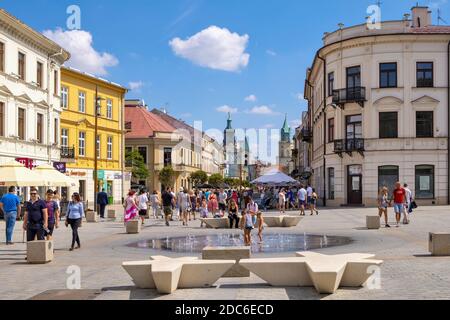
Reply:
x=269, y=126
x=300, y=96
x=262, y=110
x=136, y=85
x=215, y=48
x=227, y=109
x=295, y=123
x=251, y=98
x=271, y=53
x=83, y=55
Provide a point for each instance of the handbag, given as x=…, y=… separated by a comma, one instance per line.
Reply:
x=414, y=205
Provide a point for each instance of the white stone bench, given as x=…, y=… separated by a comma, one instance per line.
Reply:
x=439, y=244
x=167, y=275
x=282, y=221
x=273, y=222
x=39, y=252
x=229, y=253
x=325, y=273
x=133, y=227
x=291, y=221
x=91, y=216
x=217, y=223
x=373, y=222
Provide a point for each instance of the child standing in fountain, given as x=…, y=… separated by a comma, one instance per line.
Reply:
x=260, y=224
x=248, y=226
x=203, y=211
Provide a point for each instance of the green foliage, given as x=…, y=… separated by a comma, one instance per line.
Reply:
x=199, y=177
x=215, y=179
x=139, y=169
x=167, y=176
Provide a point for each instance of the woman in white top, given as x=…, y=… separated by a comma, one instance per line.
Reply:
x=142, y=205
x=282, y=201
x=185, y=205
x=155, y=203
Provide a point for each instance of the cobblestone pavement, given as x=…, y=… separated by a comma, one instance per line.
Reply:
x=408, y=271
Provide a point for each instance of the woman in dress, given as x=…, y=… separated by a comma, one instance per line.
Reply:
x=213, y=206
x=131, y=207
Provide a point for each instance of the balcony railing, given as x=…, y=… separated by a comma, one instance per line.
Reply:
x=349, y=146
x=306, y=135
x=349, y=95
x=67, y=153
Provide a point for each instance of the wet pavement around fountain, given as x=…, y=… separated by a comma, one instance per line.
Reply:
x=408, y=271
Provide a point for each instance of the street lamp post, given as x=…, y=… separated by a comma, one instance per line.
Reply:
x=96, y=113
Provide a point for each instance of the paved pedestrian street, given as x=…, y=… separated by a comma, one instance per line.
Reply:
x=408, y=271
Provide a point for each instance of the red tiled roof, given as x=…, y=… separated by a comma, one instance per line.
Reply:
x=432, y=29
x=144, y=124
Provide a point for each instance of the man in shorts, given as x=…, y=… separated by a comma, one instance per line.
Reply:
x=302, y=196
x=223, y=196
x=399, y=196
x=168, y=201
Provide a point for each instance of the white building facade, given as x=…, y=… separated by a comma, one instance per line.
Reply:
x=378, y=104
x=29, y=94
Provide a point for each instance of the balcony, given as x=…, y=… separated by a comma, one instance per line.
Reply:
x=128, y=126
x=349, y=95
x=349, y=146
x=306, y=135
x=67, y=154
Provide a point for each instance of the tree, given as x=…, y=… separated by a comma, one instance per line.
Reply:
x=138, y=168
x=233, y=183
x=245, y=184
x=199, y=177
x=166, y=176
x=215, y=179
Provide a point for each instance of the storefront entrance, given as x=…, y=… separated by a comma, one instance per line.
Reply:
x=354, y=185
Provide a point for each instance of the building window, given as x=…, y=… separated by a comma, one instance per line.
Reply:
x=55, y=138
x=98, y=147
x=82, y=144
x=2, y=119
x=167, y=157
x=39, y=127
x=330, y=130
x=353, y=77
x=143, y=152
x=2, y=57
x=21, y=64
x=331, y=183
x=424, y=124
x=388, y=75
x=425, y=74
x=330, y=83
x=388, y=125
x=110, y=148
x=55, y=84
x=64, y=97
x=425, y=182
x=109, y=107
x=64, y=138
x=40, y=74
x=387, y=177
x=21, y=124
x=82, y=102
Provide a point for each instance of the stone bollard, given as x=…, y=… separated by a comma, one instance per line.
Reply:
x=91, y=216
x=39, y=252
x=133, y=226
x=439, y=244
x=373, y=222
x=111, y=214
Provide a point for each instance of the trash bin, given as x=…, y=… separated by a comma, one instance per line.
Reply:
x=110, y=200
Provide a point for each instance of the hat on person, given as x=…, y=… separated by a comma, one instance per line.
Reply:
x=50, y=191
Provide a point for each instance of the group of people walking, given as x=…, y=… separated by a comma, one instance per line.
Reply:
x=403, y=203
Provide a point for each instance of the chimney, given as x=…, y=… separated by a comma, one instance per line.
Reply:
x=421, y=17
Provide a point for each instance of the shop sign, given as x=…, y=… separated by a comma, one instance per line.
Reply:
x=101, y=174
x=60, y=166
x=117, y=176
x=27, y=162
x=77, y=173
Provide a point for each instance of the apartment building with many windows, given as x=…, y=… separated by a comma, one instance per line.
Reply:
x=86, y=140
x=378, y=111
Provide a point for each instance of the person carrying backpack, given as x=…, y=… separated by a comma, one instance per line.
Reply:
x=53, y=214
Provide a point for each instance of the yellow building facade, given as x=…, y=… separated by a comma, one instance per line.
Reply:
x=79, y=144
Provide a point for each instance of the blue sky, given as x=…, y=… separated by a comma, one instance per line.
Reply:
x=283, y=36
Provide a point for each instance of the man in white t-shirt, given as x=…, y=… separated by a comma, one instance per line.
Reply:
x=309, y=191
x=222, y=202
x=302, y=197
x=409, y=199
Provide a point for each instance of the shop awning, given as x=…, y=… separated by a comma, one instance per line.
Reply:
x=16, y=174
x=54, y=178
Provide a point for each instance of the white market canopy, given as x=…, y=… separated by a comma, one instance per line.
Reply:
x=17, y=175
x=54, y=178
x=275, y=178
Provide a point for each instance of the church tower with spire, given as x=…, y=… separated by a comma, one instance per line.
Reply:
x=230, y=149
x=285, y=148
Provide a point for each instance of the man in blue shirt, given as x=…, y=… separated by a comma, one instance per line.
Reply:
x=102, y=201
x=10, y=204
x=35, y=220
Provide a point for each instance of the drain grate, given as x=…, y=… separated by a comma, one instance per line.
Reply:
x=67, y=295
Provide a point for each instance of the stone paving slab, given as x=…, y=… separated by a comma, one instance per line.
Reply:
x=407, y=273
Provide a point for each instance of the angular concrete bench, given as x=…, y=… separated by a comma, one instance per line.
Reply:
x=91, y=216
x=229, y=253
x=133, y=226
x=439, y=244
x=39, y=252
x=325, y=273
x=282, y=221
x=167, y=275
x=373, y=222
x=217, y=223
